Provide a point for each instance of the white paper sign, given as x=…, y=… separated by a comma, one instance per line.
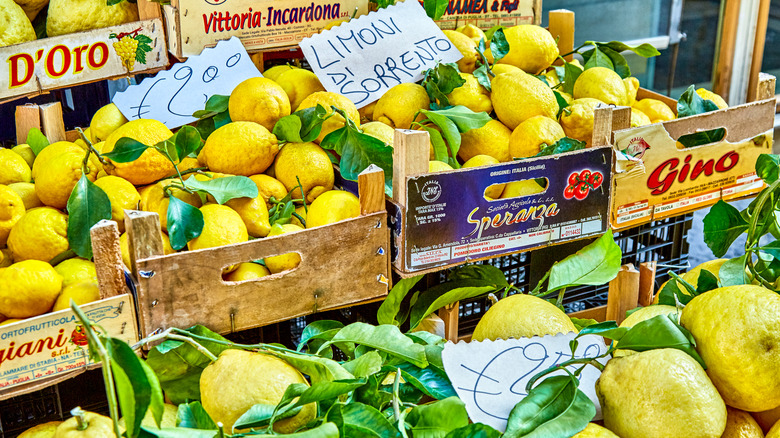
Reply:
x=365, y=57
x=172, y=96
x=490, y=376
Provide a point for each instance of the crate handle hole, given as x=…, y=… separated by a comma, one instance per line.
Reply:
x=515, y=189
x=701, y=138
x=276, y=265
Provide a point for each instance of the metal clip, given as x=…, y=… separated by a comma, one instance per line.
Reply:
x=380, y=251
x=155, y=303
x=232, y=322
x=378, y=224
x=382, y=279
x=122, y=330
x=146, y=274
x=121, y=305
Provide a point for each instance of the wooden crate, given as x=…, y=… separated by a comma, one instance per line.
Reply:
x=36, y=67
x=342, y=264
x=665, y=180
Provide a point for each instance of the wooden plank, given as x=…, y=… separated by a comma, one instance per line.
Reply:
x=143, y=241
x=647, y=283
x=410, y=157
x=449, y=314
x=108, y=258
x=371, y=190
x=52, y=125
x=148, y=10
x=623, y=293
x=758, y=50
x=765, y=89
x=561, y=26
x=724, y=58
x=741, y=122
x=602, y=126
x=26, y=117
x=598, y=313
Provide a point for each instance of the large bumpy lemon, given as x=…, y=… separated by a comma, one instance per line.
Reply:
x=83, y=292
x=11, y=210
x=16, y=26
x=105, y=121
x=98, y=426
x=530, y=136
x=268, y=186
x=241, y=379
x=13, y=167
x=51, y=151
x=503, y=68
x=307, y=163
x=774, y=432
x=473, y=32
x=274, y=72
x=123, y=196
x=283, y=262
x=638, y=118
x=332, y=206
x=299, y=84
x=603, y=84
x=660, y=394
x=40, y=234
x=57, y=178
x=76, y=270
x=151, y=165
x=26, y=152
x=472, y=95
x=714, y=97
x=491, y=139
x=593, y=430
x=531, y=48
x=26, y=192
x=656, y=110
x=221, y=226
x=28, y=288
x=45, y=430
x=124, y=246
x=399, y=105
x=328, y=100
x=519, y=96
x=740, y=424
x=247, y=271
x=522, y=316
x=517, y=189
x=467, y=47
x=240, y=148
x=254, y=213
x=577, y=119
x=259, y=100
x=71, y=16
x=737, y=332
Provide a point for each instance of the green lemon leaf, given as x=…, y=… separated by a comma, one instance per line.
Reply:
x=133, y=388
x=391, y=306
x=476, y=430
x=489, y=33
x=365, y=365
x=565, y=144
x=449, y=131
x=598, y=263
x=597, y=58
x=732, y=273
x=323, y=393
x=661, y=331
x=702, y=138
x=36, y=140
x=386, y=338
x=301, y=126
x=430, y=301
x=88, y=204
x=671, y=294
x=177, y=432
x=260, y=415
x=722, y=225
x=316, y=329
x=225, y=189
x=217, y=103
x=606, y=329
x=707, y=282
x=690, y=104
x=193, y=416
x=581, y=323
x=358, y=151
x=205, y=127
x=319, y=369
x=432, y=381
x=571, y=73
x=499, y=46
x=187, y=141
x=768, y=167
x=619, y=63
x=437, y=419
x=359, y=420
x=491, y=275
x=483, y=76
x=435, y=9
x=126, y=150
x=645, y=50
x=437, y=141
x=440, y=81
x=463, y=118
x=185, y=222
x=689, y=288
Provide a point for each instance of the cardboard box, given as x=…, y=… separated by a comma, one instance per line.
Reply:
x=486, y=14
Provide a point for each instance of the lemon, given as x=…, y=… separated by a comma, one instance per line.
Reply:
x=490, y=139
x=335, y=23
x=638, y=118
x=531, y=48
x=13, y=168
x=151, y=165
x=40, y=234
x=11, y=320
x=71, y=16
x=187, y=163
x=11, y=210
x=519, y=96
x=51, y=151
x=26, y=192
x=274, y=72
x=258, y=100
x=124, y=246
x=221, y=226
x=45, y=430
x=283, y=262
x=105, y=121
x=367, y=112
x=6, y=258
x=299, y=84
x=247, y=271
x=438, y=166
x=659, y=394
x=88, y=134
x=240, y=379
x=399, y=105
x=59, y=176
x=17, y=27
x=379, y=131
x=632, y=87
x=332, y=206
x=601, y=83
x=766, y=419
x=521, y=316
x=76, y=270
x=493, y=191
x=530, y=136
x=774, y=432
x=467, y=47
x=737, y=332
x=593, y=430
x=28, y=288
x=473, y=32
x=254, y=213
x=169, y=417
x=739, y=424
x=472, y=95
x=308, y=163
x=577, y=119
x=692, y=276
x=83, y=292
x=240, y=148
x=498, y=69
x=268, y=186
x=153, y=199
x=26, y=152
x=328, y=100
x=123, y=196
x=516, y=189
x=98, y=426
x=551, y=76
x=656, y=110
x=567, y=97
x=714, y=97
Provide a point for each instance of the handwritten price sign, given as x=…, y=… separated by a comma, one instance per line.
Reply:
x=365, y=57
x=490, y=377
x=172, y=96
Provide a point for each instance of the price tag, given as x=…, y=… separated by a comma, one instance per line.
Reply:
x=172, y=96
x=365, y=57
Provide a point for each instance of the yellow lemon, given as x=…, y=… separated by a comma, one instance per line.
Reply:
x=6, y=258
x=632, y=87
x=379, y=131
x=40, y=234
x=531, y=48
x=519, y=96
x=26, y=152
x=51, y=151
x=299, y=84
x=268, y=186
x=739, y=424
x=283, y=262
x=530, y=136
x=17, y=27
x=274, y=72
x=83, y=292
x=258, y=100
x=45, y=430
x=307, y=163
x=367, y=112
x=438, y=166
x=656, y=110
x=69, y=16
x=98, y=426
x=638, y=118
x=254, y=213
x=76, y=270
x=13, y=168
x=300, y=211
x=26, y=191
x=240, y=148
x=399, y=105
x=221, y=226
x=151, y=165
x=153, y=198
x=503, y=68
x=774, y=432
x=473, y=32
x=332, y=206
x=577, y=119
x=714, y=97
x=335, y=23
x=328, y=100
x=493, y=191
x=467, y=47
x=28, y=288
x=247, y=271
x=57, y=178
x=491, y=139
x=521, y=316
x=187, y=163
x=124, y=246
x=516, y=189
x=123, y=196
x=105, y=121
x=601, y=83
x=472, y=95
x=11, y=210
x=692, y=276
x=593, y=430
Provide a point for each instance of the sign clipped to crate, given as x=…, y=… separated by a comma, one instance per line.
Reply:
x=486, y=14
x=447, y=218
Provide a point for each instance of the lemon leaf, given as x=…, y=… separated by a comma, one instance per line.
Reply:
x=126, y=150
x=722, y=225
x=435, y=8
x=36, y=140
x=431, y=300
x=301, y=126
x=358, y=151
x=438, y=418
x=565, y=144
x=768, y=167
x=598, y=263
x=187, y=140
x=476, y=430
x=388, y=311
x=707, y=282
x=499, y=46
x=596, y=58
x=194, y=416
x=134, y=390
x=385, y=337
x=659, y=332
x=570, y=74
x=225, y=189
x=645, y=50
x=483, y=76
x=185, y=222
x=88, y=204
x=432, y=381
x=732, y=272
x=356, y=419
x=440, y=81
